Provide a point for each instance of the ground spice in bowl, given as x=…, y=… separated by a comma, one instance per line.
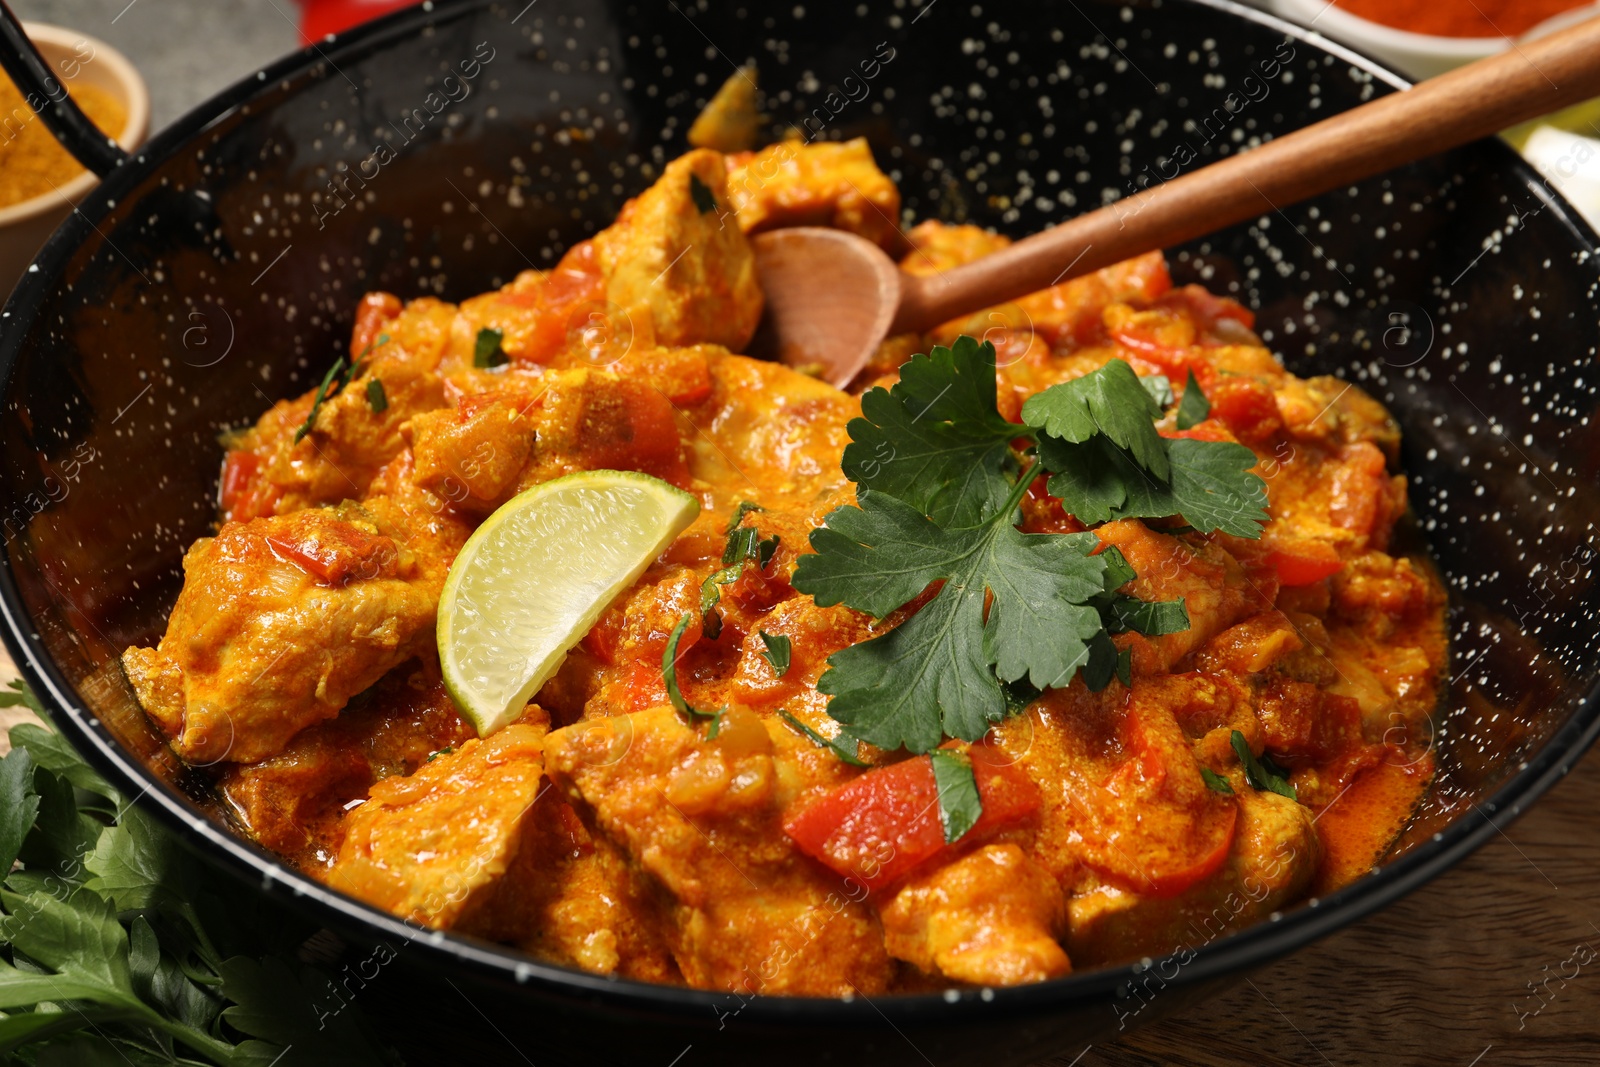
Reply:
x=32, y=162
x=1460, y=18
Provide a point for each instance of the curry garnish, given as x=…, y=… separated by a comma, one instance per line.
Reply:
x=669, y=675
x=959, y=804
x=337, y=378
x=1262, y=773
x=844, y=746
x=377, y=399
x=744, y=545
x=1195, y=408
x=937, y=502
x=705, y=201
x=486, y=351
x=777, y=652
x=1216, y=782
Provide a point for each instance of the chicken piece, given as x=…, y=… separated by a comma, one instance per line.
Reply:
x=280, y=622
x=825, y=183
x=989, y=918
x=702, y=818
x=570, y=897
x=673, y=261
x=765, y=425
x=294, y=802
x=430, y=847
x=1213, y=585
x=273, y=469
x=1275, y=854
x=731, y=120
x=470, y=455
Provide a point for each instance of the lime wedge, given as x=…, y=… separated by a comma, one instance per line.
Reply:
x=532, y=580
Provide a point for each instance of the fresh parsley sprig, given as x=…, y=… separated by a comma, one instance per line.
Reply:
x=118, y=946
x=937, y=502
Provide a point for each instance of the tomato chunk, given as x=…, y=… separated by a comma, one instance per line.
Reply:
x=1304, y=562
x=1246, y=406
x=878, y=827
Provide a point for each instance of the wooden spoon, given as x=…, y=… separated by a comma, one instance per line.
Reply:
x=832, y=297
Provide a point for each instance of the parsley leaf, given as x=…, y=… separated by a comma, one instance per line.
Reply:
x=1159, y=388
x=1108, y=403
x=777, y=653
x=948, y=657
x=486, y=351
x=844, y=746
x=936, y=439
x=1211, y=484
x=377, y=399
x=1216, y=782
x=1262, y=773
x=118, y=946
x=960, y=807
x=1149, y=617
x=1195, y=407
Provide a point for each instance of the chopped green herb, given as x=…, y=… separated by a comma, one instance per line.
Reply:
x=744, y=544
x=486, y=351
x=737, y=519
x=1195, y=407
x=669, y=674
x=1216, y=782
x=445, y=751
x=844, y=746
x=704, y=199
x=1149, y=617
x=377, y=399
x=777, y=653
x=960, y=808
x=337, y=377
x=1262, y=773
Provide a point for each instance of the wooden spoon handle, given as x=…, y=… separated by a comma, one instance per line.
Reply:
x=1474, y=101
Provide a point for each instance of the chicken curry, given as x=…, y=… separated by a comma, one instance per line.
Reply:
x=1267, y=748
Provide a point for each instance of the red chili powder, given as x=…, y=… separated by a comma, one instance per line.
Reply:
x=1460, y=18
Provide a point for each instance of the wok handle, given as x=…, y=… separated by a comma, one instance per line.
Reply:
x=50, y=101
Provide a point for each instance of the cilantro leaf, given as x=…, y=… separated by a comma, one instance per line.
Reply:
x=936, y=439
x=948, y=657
x=377, y=399
x=777, y=653
x=844, y=746
x=1216, y=782
x=960, y=807
x=1108, y=402
x=1211, y=484
x=744, y=544
x=486, y=351
x=1159, y=388
x=1152, y=618
x=1195, y=407
x=1262, y=773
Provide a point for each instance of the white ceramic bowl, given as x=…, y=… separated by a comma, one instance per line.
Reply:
x=76, y=59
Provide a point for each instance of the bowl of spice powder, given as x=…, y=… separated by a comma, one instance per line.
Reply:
x=1421, y=38
x=39, y=179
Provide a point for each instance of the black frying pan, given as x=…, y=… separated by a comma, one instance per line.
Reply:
x=218, y=271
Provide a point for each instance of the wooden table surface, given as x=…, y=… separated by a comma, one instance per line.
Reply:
x=1488, y=966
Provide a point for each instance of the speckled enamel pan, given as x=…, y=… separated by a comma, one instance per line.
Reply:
x=441, y=150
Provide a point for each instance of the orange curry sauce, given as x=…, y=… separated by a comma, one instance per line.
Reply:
x=603, y=833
